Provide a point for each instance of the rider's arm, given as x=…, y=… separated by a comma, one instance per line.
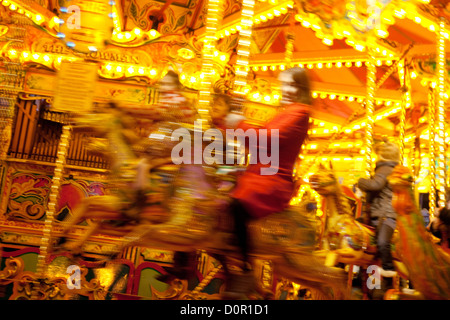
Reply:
x=376, y=183
x=284, y=124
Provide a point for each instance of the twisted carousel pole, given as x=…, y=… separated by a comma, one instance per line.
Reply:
x=213, y=17
x=432, y=136
x=243, y=50
x=370, y=109
x=440, y=114
x=241, y=72
x=403, y=73
x=63, y=147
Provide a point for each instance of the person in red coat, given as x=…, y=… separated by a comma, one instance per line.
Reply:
x=257, y=194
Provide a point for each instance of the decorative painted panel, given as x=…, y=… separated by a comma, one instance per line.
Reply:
x=26, y=190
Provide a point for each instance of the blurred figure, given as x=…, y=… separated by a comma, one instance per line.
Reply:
x=379, y=197
x=257, y=195
x=220, y=108
x=173, y=105
x=127, y=185
x=426, y=216
x=440, y=226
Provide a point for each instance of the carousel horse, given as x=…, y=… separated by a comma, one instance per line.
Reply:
x=348, y=240
x=130, y=200
x=288, y=239
x=428, y=264
x=197, y=217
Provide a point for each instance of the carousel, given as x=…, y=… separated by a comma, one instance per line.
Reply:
x=93, y=205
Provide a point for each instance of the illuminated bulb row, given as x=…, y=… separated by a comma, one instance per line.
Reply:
x=273, y=98
x=259, y=18
x=35, y=17
x=115, y=70
x=45, y=59
x=194, y=80
x=313, y=22
x=408, y=10
x=336, y=145
x=341, y=31
x=425, y=22
x=394, y=104
x=322, y=131
x=273, y=13
x=353, y=98
x=342, y=158
x=106, y=69
x=128, y=36
x=321, y=65
x=135, y=34
x=376, y=117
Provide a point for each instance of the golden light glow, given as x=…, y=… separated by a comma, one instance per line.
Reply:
x=319, y=64
x=276, y=10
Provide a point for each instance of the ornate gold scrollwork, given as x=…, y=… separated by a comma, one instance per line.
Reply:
x=174, y=292
x=29, y=287
x=13, y=267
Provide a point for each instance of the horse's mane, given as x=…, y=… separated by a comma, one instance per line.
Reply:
x=342, y=201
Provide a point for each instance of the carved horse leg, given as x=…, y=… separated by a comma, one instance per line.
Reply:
x=96, y=208
x=309, y=270
x=76, y=246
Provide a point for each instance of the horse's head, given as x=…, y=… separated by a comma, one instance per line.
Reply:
x=94, y=122
x=401, y=178
x=324, y=181
x=346, y=237
x=401, y=181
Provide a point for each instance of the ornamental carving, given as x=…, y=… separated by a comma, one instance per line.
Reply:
x=13, y=267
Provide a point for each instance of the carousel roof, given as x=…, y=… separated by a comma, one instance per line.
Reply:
x=334, y=39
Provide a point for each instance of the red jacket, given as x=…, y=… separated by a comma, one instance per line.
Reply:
x=263, y=195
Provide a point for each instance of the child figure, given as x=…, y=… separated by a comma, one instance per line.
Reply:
x=379, y=197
